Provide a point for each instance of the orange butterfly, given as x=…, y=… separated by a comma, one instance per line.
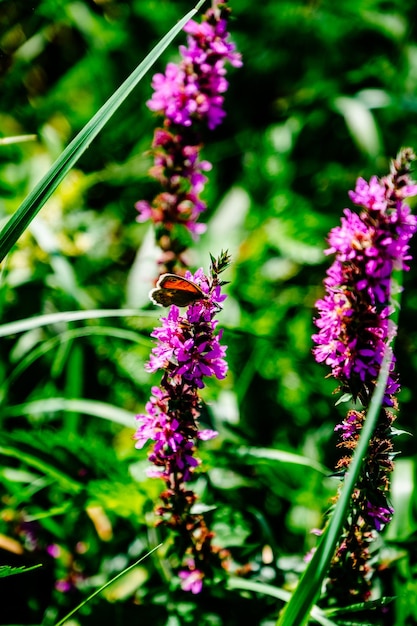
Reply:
x=173, y=289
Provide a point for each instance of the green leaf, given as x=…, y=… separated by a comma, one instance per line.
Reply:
x=70, y=335
x=21, y=326
x=47, y=469
x=361, y=125
x=78, y=405
x=403, y=497
x=370, y=605
x=346, y=397
x=47, y=185
x=281, y=456
x=7, y=570
x=275, y=592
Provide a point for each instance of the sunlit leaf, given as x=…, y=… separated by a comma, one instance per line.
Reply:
x=81, y=405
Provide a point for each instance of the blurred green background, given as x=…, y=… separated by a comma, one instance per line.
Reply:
x=327, y=93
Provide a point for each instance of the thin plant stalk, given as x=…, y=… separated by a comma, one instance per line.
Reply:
x=125, y=571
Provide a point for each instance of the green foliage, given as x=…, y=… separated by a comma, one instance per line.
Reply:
x=327, y=93
x=6, y=570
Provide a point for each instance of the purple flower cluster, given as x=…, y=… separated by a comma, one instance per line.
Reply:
x=380, y=515
x=189, y=95
x=191, y=578
x=188, y=350
x=355, y=331
x=192, y=90
x=353, y=322
x=188, y=343
x=178, y=168
x=173, y=432
x=371, y=497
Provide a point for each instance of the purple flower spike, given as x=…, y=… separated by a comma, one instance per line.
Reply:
x=192, y=90
x=354, y=332
x=190, y=97
x=188, y=352
x=353, y=316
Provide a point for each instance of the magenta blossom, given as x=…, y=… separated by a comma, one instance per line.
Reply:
x=193, y=355
x=188, y=352
x=191, y=578
x=354, y=333
x=190, y=97
x=354, y=326
x=193, y=89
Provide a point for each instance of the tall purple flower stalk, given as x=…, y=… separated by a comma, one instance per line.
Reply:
x=190, y=96
x=188, y=351
x=354, y=332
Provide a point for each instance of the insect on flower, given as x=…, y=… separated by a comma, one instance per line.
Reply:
x=173, y=289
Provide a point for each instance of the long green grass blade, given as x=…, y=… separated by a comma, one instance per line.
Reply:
x=78, y=405
x=69, y=336
x=45, y=468
x=276, y=592
x=21, y=326
x=47, y=185
x=281, y=456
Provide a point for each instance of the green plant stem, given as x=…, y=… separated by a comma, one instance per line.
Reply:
x=125, y=571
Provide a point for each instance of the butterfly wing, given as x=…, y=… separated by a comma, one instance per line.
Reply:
x=173, y=289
